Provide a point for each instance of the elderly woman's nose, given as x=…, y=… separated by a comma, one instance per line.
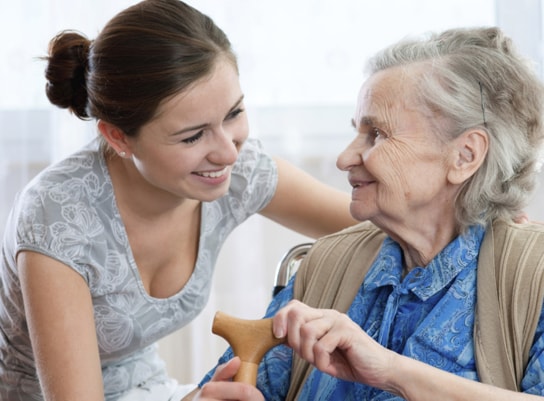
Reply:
x=348, y=158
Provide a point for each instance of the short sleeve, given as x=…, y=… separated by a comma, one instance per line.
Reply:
x=65, y=213
x=254, y=180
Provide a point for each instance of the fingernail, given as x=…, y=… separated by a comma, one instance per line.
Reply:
x=278, y=332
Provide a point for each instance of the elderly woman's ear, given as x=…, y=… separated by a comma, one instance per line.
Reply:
x=468, y=153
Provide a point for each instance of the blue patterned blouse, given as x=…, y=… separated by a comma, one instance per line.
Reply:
x=428, y=315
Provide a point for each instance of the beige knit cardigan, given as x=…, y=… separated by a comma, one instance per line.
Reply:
x=510, y=292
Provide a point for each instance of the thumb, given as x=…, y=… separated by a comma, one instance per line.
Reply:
x=227, y=370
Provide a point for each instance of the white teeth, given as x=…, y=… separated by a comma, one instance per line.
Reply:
x=213, y=174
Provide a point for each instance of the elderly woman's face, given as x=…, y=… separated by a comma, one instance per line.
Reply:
x=397, y=165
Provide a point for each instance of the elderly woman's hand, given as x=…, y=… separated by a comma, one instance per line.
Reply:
x=334, y=344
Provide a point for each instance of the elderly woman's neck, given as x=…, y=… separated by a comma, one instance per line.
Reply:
x=422, y=244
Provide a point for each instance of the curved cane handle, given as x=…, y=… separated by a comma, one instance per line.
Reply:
x=249, y=339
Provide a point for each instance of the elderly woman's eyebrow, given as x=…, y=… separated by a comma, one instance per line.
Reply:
x=363, y=121
x=369, y=121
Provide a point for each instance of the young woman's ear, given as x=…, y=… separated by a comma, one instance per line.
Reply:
x=469, y=151
x=115, y=138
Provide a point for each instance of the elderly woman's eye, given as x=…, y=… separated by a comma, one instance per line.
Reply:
x=376, y=133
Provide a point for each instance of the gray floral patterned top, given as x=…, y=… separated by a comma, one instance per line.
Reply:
x=68, y=212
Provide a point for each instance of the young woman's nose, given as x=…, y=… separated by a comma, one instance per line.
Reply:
x=226, y=148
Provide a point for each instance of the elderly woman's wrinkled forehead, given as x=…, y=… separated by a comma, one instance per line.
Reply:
x=387, y=91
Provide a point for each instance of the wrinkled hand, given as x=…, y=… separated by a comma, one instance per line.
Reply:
x=333, y=343
x=221, y=386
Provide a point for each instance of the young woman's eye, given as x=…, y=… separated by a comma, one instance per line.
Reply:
x=193, y=138
x=234, y=113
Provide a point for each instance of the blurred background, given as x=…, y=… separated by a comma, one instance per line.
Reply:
x=301, y=65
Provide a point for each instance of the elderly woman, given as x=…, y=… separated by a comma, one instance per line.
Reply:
x=441, y=292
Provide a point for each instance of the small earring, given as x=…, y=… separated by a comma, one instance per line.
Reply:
x=123, y=154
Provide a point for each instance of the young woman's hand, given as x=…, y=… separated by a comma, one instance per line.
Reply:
x=221, y=387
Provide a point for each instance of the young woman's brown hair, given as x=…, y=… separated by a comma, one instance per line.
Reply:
x=145, y=54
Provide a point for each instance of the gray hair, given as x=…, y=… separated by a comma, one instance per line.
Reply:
x=469, y=78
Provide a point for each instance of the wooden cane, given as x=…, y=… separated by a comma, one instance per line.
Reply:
x=249, y=339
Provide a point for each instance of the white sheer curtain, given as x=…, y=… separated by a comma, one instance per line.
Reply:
x=301, y=66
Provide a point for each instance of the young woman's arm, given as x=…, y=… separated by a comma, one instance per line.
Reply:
x=307, y=205
x=60, y=319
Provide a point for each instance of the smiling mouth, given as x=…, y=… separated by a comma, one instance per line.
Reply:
x=357, y=185
x=212, y=174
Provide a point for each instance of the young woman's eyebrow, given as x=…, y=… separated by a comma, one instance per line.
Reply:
x=236, y=105
x=202, y=126
x=189, y=129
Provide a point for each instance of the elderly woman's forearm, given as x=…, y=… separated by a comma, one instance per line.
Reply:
x=416, y=381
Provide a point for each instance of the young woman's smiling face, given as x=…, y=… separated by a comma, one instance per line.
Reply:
x=188, y=150
x=397, y=164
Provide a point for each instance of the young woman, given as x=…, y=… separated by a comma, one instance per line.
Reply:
x=114, y=247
